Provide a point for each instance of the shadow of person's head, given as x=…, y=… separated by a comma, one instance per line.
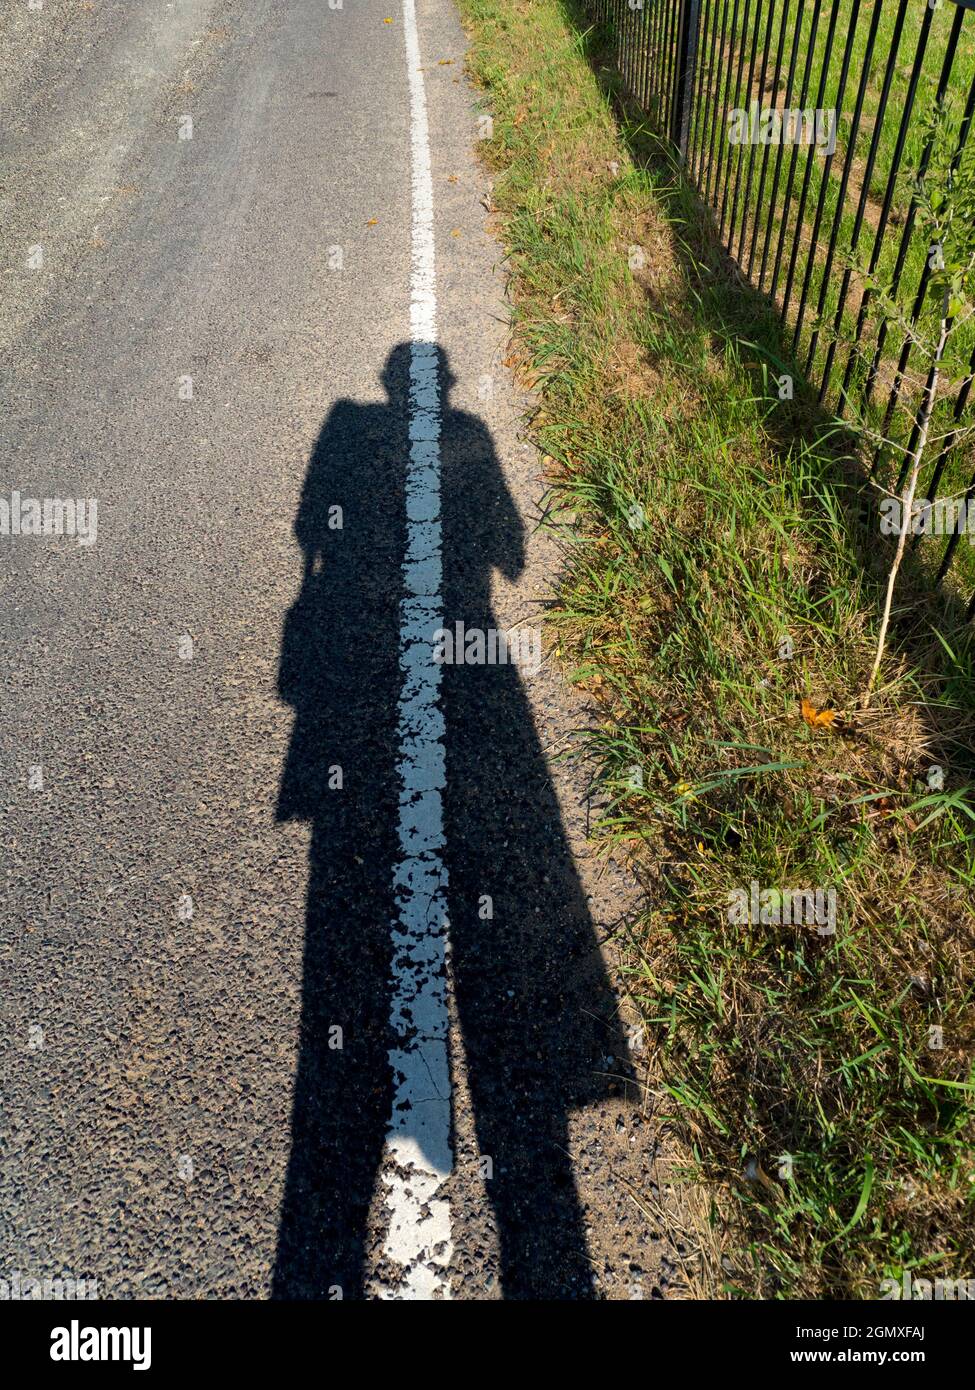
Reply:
x=407, y=364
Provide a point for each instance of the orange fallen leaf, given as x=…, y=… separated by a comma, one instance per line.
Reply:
x=372, y=222
x=817, y=718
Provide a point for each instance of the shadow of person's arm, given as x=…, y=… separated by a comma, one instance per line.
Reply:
x=325, y=484
x=508, y=550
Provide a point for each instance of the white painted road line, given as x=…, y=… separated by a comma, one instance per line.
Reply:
x=418, y=1147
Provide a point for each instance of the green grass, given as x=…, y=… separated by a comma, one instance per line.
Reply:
x=704, y=522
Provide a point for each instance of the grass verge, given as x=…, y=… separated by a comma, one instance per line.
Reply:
x=718, y=573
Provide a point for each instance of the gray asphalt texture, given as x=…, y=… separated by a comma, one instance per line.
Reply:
x=187, y=906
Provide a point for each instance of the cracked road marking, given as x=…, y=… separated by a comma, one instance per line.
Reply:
x=418, y=1144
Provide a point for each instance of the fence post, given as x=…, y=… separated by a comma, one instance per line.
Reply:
x=686, y=64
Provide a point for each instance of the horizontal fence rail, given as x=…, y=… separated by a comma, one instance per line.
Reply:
x=804, y=126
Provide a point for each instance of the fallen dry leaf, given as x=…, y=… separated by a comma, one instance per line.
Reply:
x=817, y=718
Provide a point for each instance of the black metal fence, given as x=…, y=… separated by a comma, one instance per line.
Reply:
x=803, y=124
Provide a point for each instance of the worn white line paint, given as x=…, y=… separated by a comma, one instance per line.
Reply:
x=418, y=1152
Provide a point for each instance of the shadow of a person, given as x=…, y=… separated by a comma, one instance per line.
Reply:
x=537, y=1014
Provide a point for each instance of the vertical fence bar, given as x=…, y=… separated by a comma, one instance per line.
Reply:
x=961, y=401
x=657, y=45
x=748, y=103
x=959, y=151
x=776, y=77
x=867, y=180
x=807, y=174
x=956, y=535
x=644, y=54
x=705, y=74
x=726, y=143
x=844, y=181
x=653, y=61
x=763, y=74
x=670, y=62
x=722, y=133
x=908, y=231
x=626, y=16
x=794, y=159
x=797, y=34
x=690, y=12
x=717, y=120
x=892, y=176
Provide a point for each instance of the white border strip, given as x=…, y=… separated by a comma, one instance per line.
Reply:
x=418, y=1144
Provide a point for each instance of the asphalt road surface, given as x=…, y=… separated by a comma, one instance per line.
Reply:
x=307, y=985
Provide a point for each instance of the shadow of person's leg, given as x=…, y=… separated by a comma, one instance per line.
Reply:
x=531, y=991
x=343, y=1087
x=530, y=1180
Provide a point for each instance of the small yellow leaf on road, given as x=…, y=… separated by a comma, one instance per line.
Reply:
x=372, y=222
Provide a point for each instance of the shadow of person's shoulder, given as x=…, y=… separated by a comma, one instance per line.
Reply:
x=359, y=445
x=350, y=417
x=467, y=421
